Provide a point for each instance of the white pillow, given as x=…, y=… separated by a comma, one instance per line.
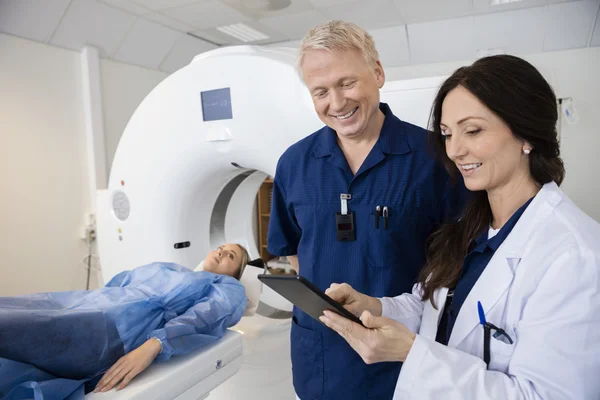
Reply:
x=252, y=285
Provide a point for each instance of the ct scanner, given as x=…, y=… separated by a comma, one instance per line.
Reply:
x=185, y=176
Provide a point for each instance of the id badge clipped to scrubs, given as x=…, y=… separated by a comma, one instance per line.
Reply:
x=344, y=222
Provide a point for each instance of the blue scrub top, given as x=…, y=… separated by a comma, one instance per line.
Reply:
x=400, y=172
x=478, y=258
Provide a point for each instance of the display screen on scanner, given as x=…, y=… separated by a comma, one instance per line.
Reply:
x=216, y=104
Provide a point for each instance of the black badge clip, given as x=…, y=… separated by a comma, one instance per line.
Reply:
x=344, y=221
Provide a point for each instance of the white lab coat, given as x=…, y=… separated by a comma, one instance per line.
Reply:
x=543, y=288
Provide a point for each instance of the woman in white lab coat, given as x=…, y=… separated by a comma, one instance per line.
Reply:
x=508, y=304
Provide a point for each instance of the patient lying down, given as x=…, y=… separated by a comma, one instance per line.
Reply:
x=59, y=345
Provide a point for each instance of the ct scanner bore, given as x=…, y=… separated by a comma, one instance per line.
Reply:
x=193, y=155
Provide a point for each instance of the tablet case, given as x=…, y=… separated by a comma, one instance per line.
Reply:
x=306, y=296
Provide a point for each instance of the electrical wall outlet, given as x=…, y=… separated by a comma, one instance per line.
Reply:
x=89, y=229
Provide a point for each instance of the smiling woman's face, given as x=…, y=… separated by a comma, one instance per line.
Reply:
x=481, y=145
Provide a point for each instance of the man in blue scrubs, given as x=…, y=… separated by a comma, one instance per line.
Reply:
x=353, y=202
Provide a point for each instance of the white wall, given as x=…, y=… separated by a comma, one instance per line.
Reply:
x=42, y=160
x=42, y=168
x=572, y=73
x=123, y=88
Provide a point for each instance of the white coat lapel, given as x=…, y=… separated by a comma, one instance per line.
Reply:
x=499, y=273
x=491, y=285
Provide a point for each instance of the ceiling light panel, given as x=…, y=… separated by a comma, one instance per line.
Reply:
x=243, y=32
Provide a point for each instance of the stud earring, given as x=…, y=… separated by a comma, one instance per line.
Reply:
x=526, y=151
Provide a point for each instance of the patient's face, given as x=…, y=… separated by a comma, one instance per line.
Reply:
x=225, y=260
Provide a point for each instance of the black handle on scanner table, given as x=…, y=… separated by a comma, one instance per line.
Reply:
x=258, y=263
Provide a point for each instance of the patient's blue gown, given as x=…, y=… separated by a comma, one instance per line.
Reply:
x=53, y=345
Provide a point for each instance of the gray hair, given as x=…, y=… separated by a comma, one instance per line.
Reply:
x=336, y=36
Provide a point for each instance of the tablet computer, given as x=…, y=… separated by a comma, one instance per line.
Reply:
x=306, y=296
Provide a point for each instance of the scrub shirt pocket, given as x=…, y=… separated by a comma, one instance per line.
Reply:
x=307, y=362
x=387, y=248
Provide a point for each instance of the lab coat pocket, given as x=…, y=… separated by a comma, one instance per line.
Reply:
x=500, y=354
x=307, y=362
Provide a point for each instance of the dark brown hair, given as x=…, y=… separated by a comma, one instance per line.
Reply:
x=516, y=92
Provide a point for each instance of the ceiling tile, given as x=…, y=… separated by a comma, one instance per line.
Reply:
x=128, y=6
x=163, y=4
x=93, y=23
x=295, y=26
x=206, y=14
x=430, y=10
x=252, y=9
x=214, y=36
x=169, y=22
x=392, y=45
x=367, y=14
x=147, y=44
x=327, y=3
x=185, y=49
x=525, y=34
x=438, y=41
x=31, y=19
x=485, y=6
x=568, y=25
